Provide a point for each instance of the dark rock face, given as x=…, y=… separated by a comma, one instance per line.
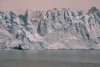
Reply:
x=92, y=10
x=18, y=47
x=24, y=18
x=51, y=29
x=42, y=28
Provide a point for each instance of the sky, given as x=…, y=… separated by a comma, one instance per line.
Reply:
x=21, y=5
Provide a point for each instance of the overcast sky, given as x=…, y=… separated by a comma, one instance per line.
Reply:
x=22, y=5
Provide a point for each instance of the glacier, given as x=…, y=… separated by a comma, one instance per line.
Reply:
x=50, y=29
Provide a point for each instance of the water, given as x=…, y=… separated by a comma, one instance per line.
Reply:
x=50, y=58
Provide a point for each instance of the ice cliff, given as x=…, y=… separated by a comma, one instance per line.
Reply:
x=51, y=29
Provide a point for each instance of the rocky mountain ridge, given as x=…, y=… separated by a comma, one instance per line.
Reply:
x=51, y=29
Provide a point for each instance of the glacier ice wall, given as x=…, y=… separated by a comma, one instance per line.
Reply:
x=51, y=29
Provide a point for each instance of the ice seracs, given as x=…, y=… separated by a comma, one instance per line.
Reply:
x=51, y=29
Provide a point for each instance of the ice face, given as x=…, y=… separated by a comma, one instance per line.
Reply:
x=51, y=29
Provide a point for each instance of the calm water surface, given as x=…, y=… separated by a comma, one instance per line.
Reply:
x=50, y=58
